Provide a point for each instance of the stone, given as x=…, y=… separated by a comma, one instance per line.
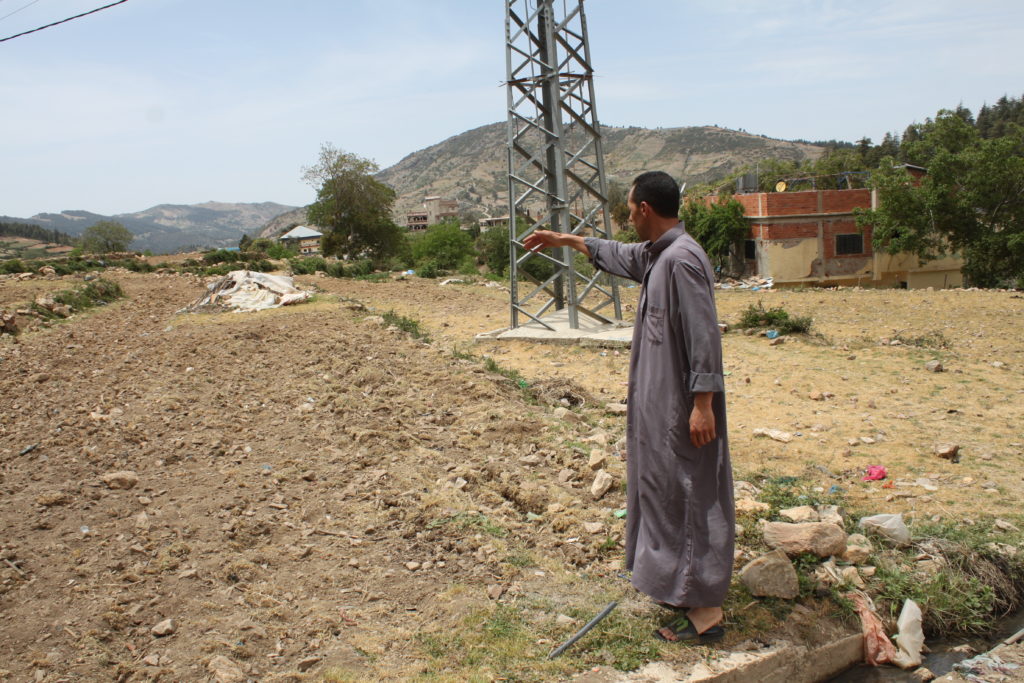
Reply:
x=565, y=620
x=819, y=538
x=412, y=566
x=933, y=366
x=164, y=628
x=744, y=505
x=1003, y=525
x=566, y=475
x=151, y=660
x=816, y=396
x=776, y=434
x=120, y=480
x=225, y=671
x=495, y=591
x=804, y=513
x=603, y=482
x=858, y=549
x=563, y=413
x=852, y=577
x=597, y=459
x=593, y=527
x=922, y=674
x=616, y=408
x=142, y=522
x=948, y=451
x=832, y=514
x=771, y=575
x=555, y=508
x=307, y=663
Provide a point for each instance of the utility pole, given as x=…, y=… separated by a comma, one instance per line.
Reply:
x=556, y=178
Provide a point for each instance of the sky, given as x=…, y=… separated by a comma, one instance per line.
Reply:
x=188, y=101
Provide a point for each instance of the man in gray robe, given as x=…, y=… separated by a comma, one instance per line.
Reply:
x=680, y=516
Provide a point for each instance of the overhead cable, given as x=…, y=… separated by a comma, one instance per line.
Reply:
x=63, y=21
x=18, y=10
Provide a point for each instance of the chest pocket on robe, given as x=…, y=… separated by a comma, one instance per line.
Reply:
x=654, y=325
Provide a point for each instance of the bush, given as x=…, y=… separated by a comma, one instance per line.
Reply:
x=336, y=269
x=427, y=269
x=776, y=318
x=307, y=266
x=12, y=266
x=445, y=243
x=220, y=256
x=358, y=268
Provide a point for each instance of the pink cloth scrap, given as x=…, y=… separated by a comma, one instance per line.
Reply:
x=874, y=473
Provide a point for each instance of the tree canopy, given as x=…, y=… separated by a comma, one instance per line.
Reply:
x=971, y=201
x=719, y=227
x=352, y=206
x=106, y=237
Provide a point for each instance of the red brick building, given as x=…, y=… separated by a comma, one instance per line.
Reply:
x=811, y=238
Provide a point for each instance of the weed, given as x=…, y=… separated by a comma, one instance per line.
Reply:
x=468, y=520
x=776, y=318
x=929, y=340
x=407, y=325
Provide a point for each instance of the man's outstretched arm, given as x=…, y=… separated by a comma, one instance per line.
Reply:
x=539, y=239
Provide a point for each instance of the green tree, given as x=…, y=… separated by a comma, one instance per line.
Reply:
x=719, y=227
x=106, y=237
x=971, y=201
x=352, y=206
x=446, y=244
x=618, y=208
x=492, y=249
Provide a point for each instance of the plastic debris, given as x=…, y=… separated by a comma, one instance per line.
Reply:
x=875, y=473
x=772, y=334
x=910, y=640
x=244, y=290
x=888, y=526
x=620, y=514
x=878, y=649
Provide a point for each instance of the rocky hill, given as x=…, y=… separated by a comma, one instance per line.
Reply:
x=168, y=228
x=471, y=167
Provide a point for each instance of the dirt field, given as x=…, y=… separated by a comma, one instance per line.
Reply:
x=321, y=497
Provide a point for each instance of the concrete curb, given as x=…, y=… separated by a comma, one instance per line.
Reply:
x=780, y=662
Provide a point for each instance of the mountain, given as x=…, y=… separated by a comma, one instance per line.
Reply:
x=168, y=228
x=471, y=167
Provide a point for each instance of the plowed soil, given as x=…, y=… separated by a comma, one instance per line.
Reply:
x=319, y=492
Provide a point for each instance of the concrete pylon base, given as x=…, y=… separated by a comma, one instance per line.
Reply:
x=589, y=333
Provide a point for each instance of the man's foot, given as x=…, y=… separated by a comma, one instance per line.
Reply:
x=681, y=630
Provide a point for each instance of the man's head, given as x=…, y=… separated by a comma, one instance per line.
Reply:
x=653, y=204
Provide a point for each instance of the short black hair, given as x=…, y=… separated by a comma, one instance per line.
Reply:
x=659, y=190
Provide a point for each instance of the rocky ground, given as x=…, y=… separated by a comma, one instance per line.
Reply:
x=310, y=493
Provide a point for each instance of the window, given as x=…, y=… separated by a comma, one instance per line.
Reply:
x=749, y=250
x=849, y=244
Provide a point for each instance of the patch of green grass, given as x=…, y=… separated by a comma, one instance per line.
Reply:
x=407, y=325
x=470, y=521
x=776, y=318
x=520, y=559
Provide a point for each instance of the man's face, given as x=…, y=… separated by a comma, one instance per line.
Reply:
x=638, y=216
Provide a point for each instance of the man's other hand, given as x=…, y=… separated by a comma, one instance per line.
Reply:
x=702, y=420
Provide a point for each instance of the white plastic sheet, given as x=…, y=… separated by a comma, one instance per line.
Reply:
x=244, y=290
x=889, y=526
x=910, y=639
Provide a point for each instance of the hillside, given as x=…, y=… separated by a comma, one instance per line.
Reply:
x=167, y=228
x=471, y=167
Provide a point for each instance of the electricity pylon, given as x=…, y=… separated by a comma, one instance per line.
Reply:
x=556, y=178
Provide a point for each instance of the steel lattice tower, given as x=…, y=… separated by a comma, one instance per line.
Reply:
x=556, y=177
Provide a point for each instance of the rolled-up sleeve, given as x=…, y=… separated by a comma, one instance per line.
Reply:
x=617, y=258
x=699, y=326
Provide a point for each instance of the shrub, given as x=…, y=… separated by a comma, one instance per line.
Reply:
x=220, y=256
x=445, y=243
x=358, y=267
x=776, y=318
x=307, y=266
x=12, y=266
x=427, y=268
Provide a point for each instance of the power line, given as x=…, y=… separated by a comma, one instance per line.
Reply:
x=18, y=10
x=63, y=21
